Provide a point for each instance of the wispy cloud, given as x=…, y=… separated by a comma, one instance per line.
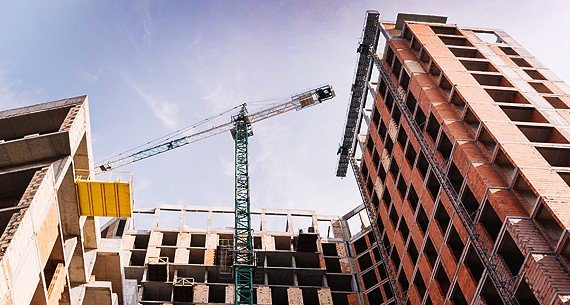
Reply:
x=164, y=110
x=197, y=39
x=226, y=94
x=90, y=77
x=143, y=10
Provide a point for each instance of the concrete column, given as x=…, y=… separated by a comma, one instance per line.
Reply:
x=341, y=249
x=151, y=252
x=200, y=293
x=230, y=294
x=181, y=256
x=128, y=242
x=209, y=257
x=183, y=240
x=268, y=243
x=155, y=239
x=264, y=295
x=212, y=240
x=325, y=296
x=295, y=296
x=344, y=264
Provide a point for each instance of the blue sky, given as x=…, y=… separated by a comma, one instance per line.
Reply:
x=150, y=67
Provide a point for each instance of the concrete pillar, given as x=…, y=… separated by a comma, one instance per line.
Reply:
x=128, y=242
x=230, y=294
x=325, y=296
x=181, y=256
x=268, y=243
x=151, y=252
x=91, y=234
x=264, y=295
x=295, y=296
x=183, y=240
x=155, y=239
x=212, y=240
x=200, y=293
x=344, y=264
x=209, y=257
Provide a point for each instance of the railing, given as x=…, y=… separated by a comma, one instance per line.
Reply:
x=503, y=282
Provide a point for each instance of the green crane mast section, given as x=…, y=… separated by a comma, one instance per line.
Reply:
x=240, y=127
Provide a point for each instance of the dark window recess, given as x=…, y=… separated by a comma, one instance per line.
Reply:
x=445, y=85
x=370, y=145
x=470, y=203
x=422, y=164
x=442, y=279
x=402, y=187
x=376, y=116
x=364, y=261
x=369, y=185
x=376, y=158
x=445, y=146
x=542, y=134
x=389, y=101
x=420, y=285
x=455, y=41
x=402, y=137
x=487, y=141
x=386, y=241
x=522, y=189
x=506, y=95
x=364, y=170
x=382, y=88
x=387, y=290
x=430, y=252
x=382, y=130
x=369, y=279
x=445, y=30
x=422, y=219
x=506, y=166
x=404, y=229
x=471, y=121
x=433, y=185
x=555, y=156
x=411, y=154
x=394, y=169
x=413, y=251
x=458, y=101
x=466, y=52
x=394, y=217
x=360, y=245
x=490, y=294
x=432, y=127
x=524, y=294
x=389, y=145
x=397, y=68
x=397, y=114
x=556, y=102
x=509, y=51
x=457, y=297
x=405, y=81
x=420, y=118
x=374, y=297
x=474, y=264
x=389, y=56
x=442, y=217
x=329, y=249
x=551, y=229
x=511, y=254
x=490, y=221
x=455, y=177
x=413, y=198
x=377, y=256
x=371, y=237
x=494, y=80
x=375, y=200
x=403, y=281
x=380, y=224
x=395, y=258
x=455, y=243
x=382, y=173
x=523, y=114
x=534, y=74
x=411, y=103
x=521, y=62
x=386, y=198
x=434, y=69
x=382, y=271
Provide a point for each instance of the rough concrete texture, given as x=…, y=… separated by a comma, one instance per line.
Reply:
x=200, y=293
x=294, y=296
x=325, y=296
x=264, y=295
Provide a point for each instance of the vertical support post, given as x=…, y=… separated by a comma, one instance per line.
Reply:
x=243, y=241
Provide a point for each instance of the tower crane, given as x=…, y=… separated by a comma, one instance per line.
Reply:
x=240, y=127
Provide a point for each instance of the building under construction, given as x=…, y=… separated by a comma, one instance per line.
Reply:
x=459, y=140
x=460, y=144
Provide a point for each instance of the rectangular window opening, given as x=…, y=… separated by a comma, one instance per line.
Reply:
x=495, y=80
x=511, y=254
x=556, y=156
x=422, y=219
x=507, y=96
x=490, y=221
x=442, y=218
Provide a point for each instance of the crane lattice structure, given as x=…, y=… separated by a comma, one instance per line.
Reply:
x=240, y=127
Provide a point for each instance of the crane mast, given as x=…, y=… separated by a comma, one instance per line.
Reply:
x=240, y=127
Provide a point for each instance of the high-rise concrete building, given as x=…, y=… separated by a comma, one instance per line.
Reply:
x=182, y=255
x=49, y=252
x=460, y=140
